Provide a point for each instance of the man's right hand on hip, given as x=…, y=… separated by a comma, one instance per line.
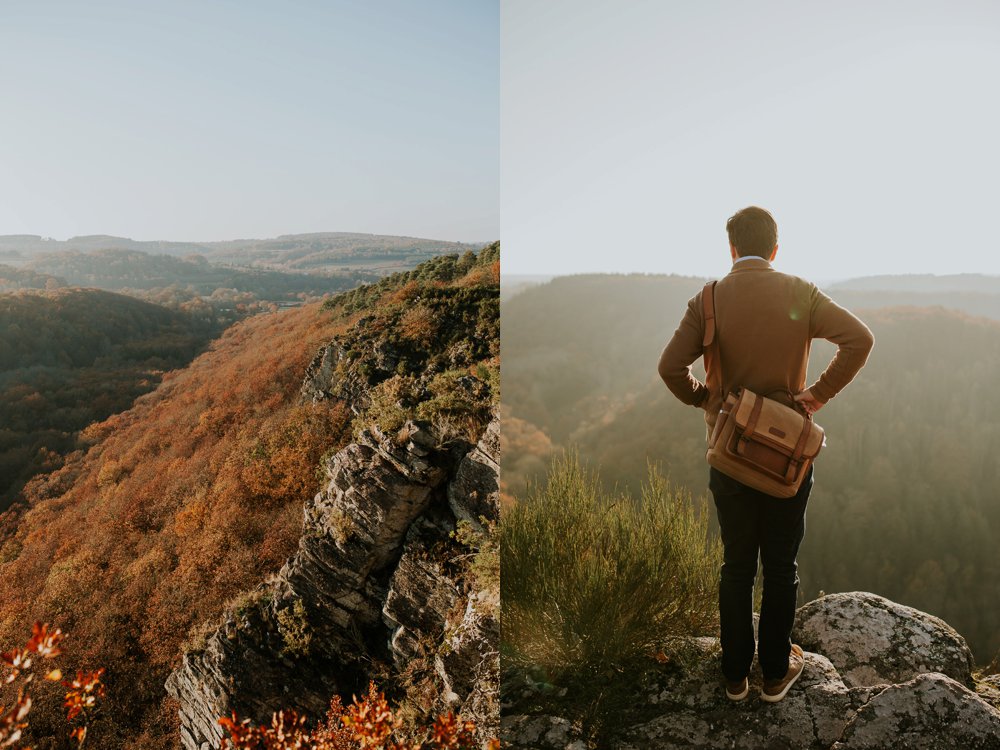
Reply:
x=807, y=401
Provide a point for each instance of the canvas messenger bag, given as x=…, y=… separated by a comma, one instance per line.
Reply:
x=757, y=441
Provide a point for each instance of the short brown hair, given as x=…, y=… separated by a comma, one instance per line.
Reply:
x=752, y=231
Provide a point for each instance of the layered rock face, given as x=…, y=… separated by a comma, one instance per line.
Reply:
x=320, y=382
x=375, y=578
x=878, y=676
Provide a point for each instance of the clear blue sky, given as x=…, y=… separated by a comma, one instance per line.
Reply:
x=202, y=120
x=632, y=130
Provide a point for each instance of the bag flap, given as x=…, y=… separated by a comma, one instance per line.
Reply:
x=777, y=424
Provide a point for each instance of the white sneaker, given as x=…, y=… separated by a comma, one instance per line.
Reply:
x=774, y=690
x=737, y=691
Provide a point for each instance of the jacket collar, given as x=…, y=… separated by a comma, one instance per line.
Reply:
x=751, y=264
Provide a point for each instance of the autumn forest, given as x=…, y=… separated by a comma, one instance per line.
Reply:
x=155, y=468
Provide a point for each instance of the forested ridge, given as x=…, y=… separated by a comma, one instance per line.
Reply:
x=904, y=503
x=12, y=279
x=316, y=251
x=70, y=357
x=142, y=272
x=175, y=509
x=962, y=283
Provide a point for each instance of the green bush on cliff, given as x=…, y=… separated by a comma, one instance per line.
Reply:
x=295, y=630
x=390, y=405
x=591, y=581
x=456, y=404
x=483, y=562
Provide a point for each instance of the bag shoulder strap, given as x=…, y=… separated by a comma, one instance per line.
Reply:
x=710, y=342
x=708, y=305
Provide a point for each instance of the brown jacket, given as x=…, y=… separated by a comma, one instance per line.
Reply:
x=765, y=322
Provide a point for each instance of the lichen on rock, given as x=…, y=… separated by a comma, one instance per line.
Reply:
x=931, y=712
x=873, y=640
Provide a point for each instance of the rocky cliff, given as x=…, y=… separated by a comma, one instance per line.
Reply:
x=375, y=577
x=878, y=675
x=396, y=577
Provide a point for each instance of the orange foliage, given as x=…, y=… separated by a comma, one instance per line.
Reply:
x=190, y=497
x=367, y=724
x=80, y=700
x=481, y=276
x=405, y=293
x=525, y=452
x=418, y=323
x=85, y=689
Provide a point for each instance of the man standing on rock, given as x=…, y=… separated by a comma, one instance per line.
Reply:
x=765, y=322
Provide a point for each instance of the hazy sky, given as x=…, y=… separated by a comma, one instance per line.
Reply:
x=197, y=120
x=632, y=130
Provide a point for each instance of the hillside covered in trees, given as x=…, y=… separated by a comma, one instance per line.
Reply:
x=141, y=272
x=175, y=510
x=13, y=279
x=904, y=502
x=318, y=251
x=71, y=357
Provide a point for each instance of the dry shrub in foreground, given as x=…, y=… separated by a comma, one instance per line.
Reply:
x=367, y=723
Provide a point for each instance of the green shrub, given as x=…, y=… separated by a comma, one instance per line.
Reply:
x=389, y=408
x=457, y=404
x=342, y=526
x=490, y=374
x=295, y=630
x=483, y=562
x=592, y=581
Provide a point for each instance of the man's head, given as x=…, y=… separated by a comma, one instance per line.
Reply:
x=752, y=231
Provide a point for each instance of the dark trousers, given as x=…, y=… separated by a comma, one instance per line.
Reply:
x=753, y=524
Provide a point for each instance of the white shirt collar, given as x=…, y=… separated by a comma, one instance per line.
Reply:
x=748, y=257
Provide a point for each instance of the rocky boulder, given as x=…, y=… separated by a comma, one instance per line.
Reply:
x=540, y=733
x=693, y=711
x=893, y=700
x=931, y=712
x=989, y=689
x=874, y=641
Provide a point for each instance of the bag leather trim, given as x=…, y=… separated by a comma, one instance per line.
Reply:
x=773, y=414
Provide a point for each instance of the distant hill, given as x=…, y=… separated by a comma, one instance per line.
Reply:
x=335, y=250
x=134, y=271
x=28, y=245
x=577, y=343
x=983, y=304
x=975, y=294
x=904, y=502
x=511, y=284
x=318, y=251
x=963, y=282
x=12, y=279
x=71, y=357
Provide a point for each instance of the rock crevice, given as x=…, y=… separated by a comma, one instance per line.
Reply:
x=364, y=583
